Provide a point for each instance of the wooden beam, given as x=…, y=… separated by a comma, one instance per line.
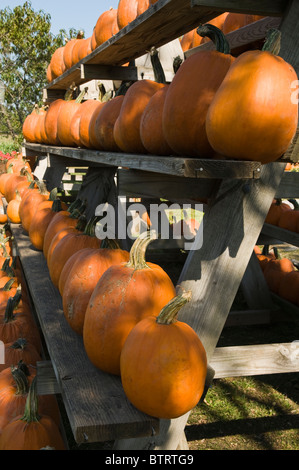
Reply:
x=288, y=187
x=52, y=95
x=108, y=72
x=170, y=165
x=240, y=361
x=255, y=7
x=278, y=233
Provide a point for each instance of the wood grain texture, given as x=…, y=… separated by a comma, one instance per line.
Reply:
x=256, y=7
x=95, y=402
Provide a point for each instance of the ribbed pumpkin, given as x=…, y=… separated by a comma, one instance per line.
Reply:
x=65, y=116
x=80, y=123
x=62, y=220
x=125, y=294
x=126, y=12
x=57, y=65
x=68, y=53
x=75, y=50
x=87, y=268
x=12, y=183
x=274, y=271
x=68, y=245
x=163, y=364
x=106, y=26
x=29, y=202
x=28, y=127
x=127, y=126
x=31, y=430
x=14, y=388
x=261, y=119
x=276, y=210
x=289, y=220
x=102, y=124
x=85, y=48
x=151, y=131
x=51, y=121
x=191, y=93
x=44, y=214
x=20, y=350
x=289, y=287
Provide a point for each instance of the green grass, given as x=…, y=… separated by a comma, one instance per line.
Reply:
x=8, y=145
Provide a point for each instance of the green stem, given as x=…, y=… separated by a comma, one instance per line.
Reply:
x=8, y=314
x=31, y=408
x=272, y=41
x=8, y=285
x=138, y=250
x=157, y=66
x=168, y=314
x=216, y=35
x=22, y=384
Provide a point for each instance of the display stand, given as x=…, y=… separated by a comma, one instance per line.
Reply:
x=239, y=196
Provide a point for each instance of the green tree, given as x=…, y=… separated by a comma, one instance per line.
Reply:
x=26, y=47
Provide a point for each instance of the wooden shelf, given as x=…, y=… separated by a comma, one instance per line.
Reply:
x=169, y=165
x=278, y=233
x=97, y=407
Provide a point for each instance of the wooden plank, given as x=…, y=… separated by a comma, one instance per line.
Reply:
x=129, y=73
x=132, y=183
x=95, y=402
x=213, y=273
x=250, y=34
x=177, y=166
x=289, y=184
x=46, y=379
x=255, y=7
x=281, y=234
x=258, y=359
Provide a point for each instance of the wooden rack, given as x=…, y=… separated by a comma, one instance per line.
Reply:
x=239, y=193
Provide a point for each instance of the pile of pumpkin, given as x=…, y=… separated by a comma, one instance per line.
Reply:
x=190, y=116
x=107, y=25
x=118, y=302
x=28, y=421
x=284, y=215
x=280, y=274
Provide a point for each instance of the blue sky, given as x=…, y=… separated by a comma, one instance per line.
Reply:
x=66, y=14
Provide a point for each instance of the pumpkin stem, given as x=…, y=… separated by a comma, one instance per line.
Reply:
x=42, y=187
x=19, y=344
x=8, y=314
x=157, y=66
x=8, y=285
x=272, y=41
x=110, y=244
x=138, y=250
x=216, y=35
x=31, y=407
x=56, y=206
x=20, y=378
x=168, y=314
x=81, y=95
x=90, y=226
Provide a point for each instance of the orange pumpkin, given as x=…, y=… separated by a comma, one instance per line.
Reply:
x=126, y=12
x=275, y=270
x=41, y=219
x=105, y=27
x=20, y=350
x=277, y=208
x=80, y=124
x=88, y=265
x=258, y=90
x=102, y=125
x=125, y=294
x=163, y=364
x=57, y=64
x=13, y=208
x=29, y=203
x=151, y=132
x=64, y=119
x=190, y=95
x=31, y=430
x=51, y=121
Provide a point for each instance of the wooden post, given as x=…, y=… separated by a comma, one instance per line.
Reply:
x=213, y=273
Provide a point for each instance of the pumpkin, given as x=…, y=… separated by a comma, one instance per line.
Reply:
x=64, y=119
x=163, y=364
x=276, y=209
x=57, y=65
x=11, y=184
x=14, y=388
x=76, y=49
x=127, y=126
x=14, y=325
x=106, y=26
x=142, y=6
x=85, y=48
x=40, y=136
x=72, y=242
x=9, y=290
x=31, y=430
x=151, y=132
x=258, y=90
x=289, y=220
x=80, y=123
x=289, y=287
x=126, y=12
x=29, y=203
x=20, y=350
x=124, y=295
x=28, y=127
x=187, y=39
x=191, y=93
x=51, y=121
x=41, y=219
x=62, y=220
x=102, y=125
x=88, y=265
x=68, y=53
x=274, y=271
